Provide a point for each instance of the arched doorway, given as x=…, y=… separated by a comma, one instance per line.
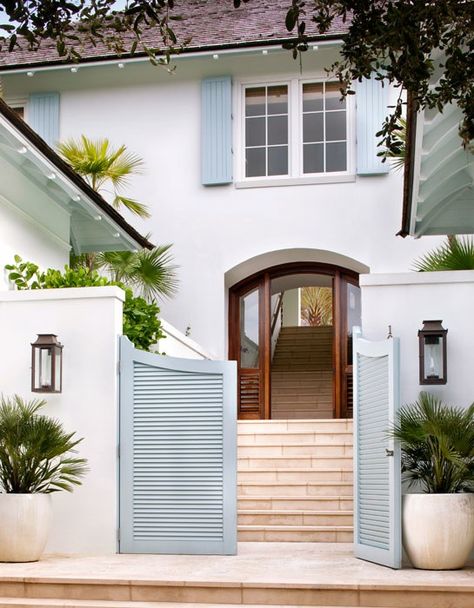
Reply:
x=290, y=333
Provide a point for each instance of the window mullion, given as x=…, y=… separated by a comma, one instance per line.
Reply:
x=294, y=128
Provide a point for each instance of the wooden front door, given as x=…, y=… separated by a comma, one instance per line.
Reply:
x=249, y=338
x=250, y=327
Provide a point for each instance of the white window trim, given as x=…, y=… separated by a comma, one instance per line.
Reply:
x=295, y=137
x=19, y=102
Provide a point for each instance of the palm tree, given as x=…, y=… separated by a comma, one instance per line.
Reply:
x=100, y=165
x=151, y=273
x=316, y=305
x=36, y=453
x=437, y=443
x=454, y=254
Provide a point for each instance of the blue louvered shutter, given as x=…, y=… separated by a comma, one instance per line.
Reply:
x=43, y=116
x=372, y=102
x=377, y=483
x=178, y=471
x=216, y=136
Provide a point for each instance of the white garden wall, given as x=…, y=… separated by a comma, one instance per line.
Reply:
x=88, y=322
x=404, y=301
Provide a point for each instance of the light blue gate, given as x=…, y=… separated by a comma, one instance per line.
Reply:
x=178, y=454
x=377, y=471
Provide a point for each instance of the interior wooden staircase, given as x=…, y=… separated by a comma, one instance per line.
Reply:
x=295, y=480
x=302, y=374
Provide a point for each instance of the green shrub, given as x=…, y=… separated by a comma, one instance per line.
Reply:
x=36, y=454
x=140, y=318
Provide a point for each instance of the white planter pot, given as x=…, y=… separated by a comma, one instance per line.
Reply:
x=25, y=523
x=438, y=530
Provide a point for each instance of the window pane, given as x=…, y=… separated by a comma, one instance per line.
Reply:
x=335, y=126
x=255, y=162
x=312, y=97
x=277, y=130
x=336, y=157
x=277, y=99
x=255, y=101
x=313, y=158
x=278, y=160
x=313, y=127
x=255, y=131
x=333, y=97
x=249, y=329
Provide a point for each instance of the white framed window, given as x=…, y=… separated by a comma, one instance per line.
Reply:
x=294, y=131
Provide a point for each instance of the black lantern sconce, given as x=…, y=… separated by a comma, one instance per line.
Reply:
x=433, y=359
x=46, y=364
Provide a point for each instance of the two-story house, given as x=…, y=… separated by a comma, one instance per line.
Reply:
x=266, y=181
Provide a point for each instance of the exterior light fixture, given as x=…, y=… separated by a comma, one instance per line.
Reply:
x=433, y=353
x=46, y=364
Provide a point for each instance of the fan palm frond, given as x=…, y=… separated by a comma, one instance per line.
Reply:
x=36, y=454
x=454, y=254
x=316, y=305
x=150, y=272
x=99, y=163
x=437, y=443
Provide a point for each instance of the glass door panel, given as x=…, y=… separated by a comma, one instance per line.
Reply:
x=249, y=330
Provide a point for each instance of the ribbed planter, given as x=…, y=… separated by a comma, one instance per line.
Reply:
x=438, y=530
x=25, y=523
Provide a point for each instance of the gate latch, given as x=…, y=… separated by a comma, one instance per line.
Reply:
x=388, y=452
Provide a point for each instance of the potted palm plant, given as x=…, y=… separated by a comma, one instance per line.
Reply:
x=437, y=444
x=37, y=457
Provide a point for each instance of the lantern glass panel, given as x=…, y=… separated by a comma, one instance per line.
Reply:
x=43, y=368
x=433, y=357
x=58, y=370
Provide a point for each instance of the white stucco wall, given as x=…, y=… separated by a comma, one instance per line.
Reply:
x=88, y=322
x=404, y=301
x=214, y=229
x=20, y=235
x=177, y=344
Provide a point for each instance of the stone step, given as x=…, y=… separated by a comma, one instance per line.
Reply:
x=298, y=474
x=255, y=517
x=296, y=503
x=14, y=602
x=288, y=534
x=296, y=488
x=302, y=462
x=262, y=450
x=282, y=426
x=342, y=438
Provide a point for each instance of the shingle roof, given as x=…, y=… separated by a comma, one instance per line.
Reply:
x=211, y=24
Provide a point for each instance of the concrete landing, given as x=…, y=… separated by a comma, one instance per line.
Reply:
x=303, y=574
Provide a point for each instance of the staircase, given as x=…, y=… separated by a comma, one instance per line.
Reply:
x=295, y=480
x=302, y=375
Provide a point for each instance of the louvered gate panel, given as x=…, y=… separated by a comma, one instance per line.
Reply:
x=377, y=487
x=178, y=454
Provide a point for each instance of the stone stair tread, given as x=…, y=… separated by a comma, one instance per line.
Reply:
x=295, y=528
x=291, y=512
x=295, y=483
x=19, y=602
